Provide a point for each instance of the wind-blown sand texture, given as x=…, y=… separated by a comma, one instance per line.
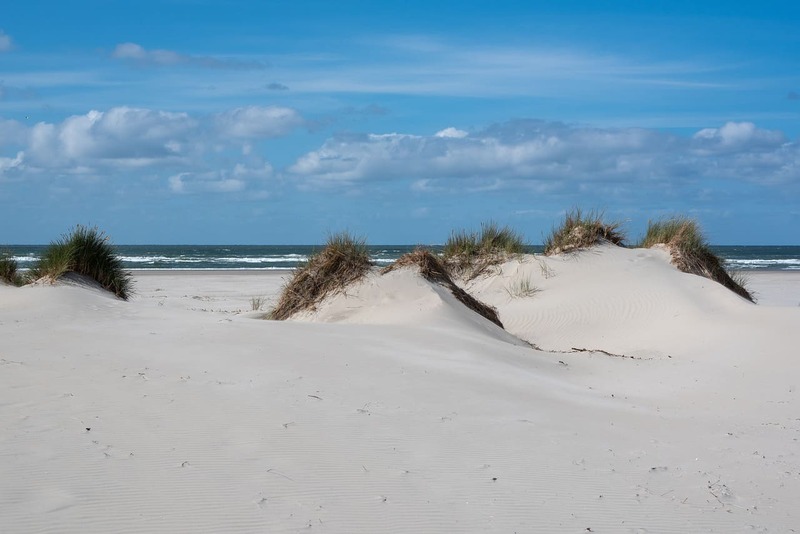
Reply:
x=393, y=408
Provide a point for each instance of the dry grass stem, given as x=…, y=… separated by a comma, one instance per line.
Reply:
x=579, y=231
x=343, y=261
x=9, y=273
x=256, y=303
x=470, y=254
x=88, y=252
x=691, y=253
x=522, y=288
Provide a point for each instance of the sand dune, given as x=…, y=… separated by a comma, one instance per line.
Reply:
x=612, y=298
x=395, y=410
x=404, y=297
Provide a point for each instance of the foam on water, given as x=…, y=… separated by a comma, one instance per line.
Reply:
x=735, y=263
x=272, y=257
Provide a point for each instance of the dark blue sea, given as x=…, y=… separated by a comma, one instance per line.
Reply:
x=269, y=257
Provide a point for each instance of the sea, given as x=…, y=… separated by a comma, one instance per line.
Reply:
x=281, y=257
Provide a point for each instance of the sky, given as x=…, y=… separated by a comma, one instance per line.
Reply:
x=274, y=122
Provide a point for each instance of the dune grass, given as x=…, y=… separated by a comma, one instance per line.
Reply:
x=673, y=229
x=9, y=273
x=691, y=253
x=343, y=260
x=432, y=269
x=256, y=303
x=579, y=231
x=521, y=288
x=469, y=254
x=85, y=251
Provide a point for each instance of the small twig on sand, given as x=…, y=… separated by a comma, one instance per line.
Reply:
x=601, y=351
x=275, y=472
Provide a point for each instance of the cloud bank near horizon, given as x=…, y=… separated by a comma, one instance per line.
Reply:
x=535, y=153
x=215, y=154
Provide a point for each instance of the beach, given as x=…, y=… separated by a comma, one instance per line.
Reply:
x=622, y=396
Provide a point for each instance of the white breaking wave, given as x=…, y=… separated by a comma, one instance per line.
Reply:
x=789, y=263
x=195, y=259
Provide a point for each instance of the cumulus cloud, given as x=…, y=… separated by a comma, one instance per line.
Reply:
x=137, y=53
x=255, y=121
x=126, y=136
x=451, y=132
x=219, y=153
x=213, y=153
x=5, y=42
x=738, y=134
x=547, y=154
x=186, y=182
x=8, y=166
x=219, y=181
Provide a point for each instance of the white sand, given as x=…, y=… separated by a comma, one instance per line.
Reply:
x=396, y=410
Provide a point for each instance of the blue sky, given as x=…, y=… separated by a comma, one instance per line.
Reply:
x=184, y=121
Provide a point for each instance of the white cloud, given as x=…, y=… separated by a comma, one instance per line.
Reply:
x=221, y=153
x=530, y=153
x=192, y=183
x=258, y=122
x=213, y=153
x=135, y=51
x=127, y=136
x=6, y=43
x=138, y=54
x=124, y=137
x=7, y=165
x=451, y=132
x=351, y=158
x=219, y=181
x=734, y=134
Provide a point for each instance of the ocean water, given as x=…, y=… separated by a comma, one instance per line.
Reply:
x=275, y=257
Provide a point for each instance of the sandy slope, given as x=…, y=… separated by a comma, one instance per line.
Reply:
x=181, y=412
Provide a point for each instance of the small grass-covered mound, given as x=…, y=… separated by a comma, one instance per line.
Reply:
x=433, y=270
x=690, y=251
x=85, y=251
x=469, y=254
x=9, y=273
x=342, y=261
x=580, y=231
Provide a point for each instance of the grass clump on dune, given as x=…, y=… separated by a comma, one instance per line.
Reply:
x=343, y=260
x=9, y=273
x=85, y=251
x=471, y=253
x=433, y=270
x=690, y=251
x=580, y=231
